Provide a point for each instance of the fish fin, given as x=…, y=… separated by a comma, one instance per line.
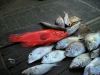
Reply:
x=14, y=38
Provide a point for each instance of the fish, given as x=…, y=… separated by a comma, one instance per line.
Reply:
x=38, y=69
x=53, y=57
x=66, y=19
x=71, y=30
x=80, y=61
x=83, y=30
x=95, y=53
x=74, y=49
x=93, y=68
x=74, y=19
x=38, y=38
x=38, y=53
x=92, y=41
x=62, y=44
x=60, y=22
x=53, y=26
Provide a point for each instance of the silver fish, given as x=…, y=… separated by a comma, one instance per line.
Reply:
x=66, y=19
x=60, y=22
x=95, y=53
x=93, y=68
x=38, y=53
x=53, y=57
x=73, y=28
x=75, y=49
x=52, y=26
x=62, y=44
x=92, y=40
x=38, y=69
x=80, y=61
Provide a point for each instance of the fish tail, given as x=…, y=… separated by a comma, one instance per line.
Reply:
x=14, y=38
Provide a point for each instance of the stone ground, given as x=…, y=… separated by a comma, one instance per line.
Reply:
x=17, y=16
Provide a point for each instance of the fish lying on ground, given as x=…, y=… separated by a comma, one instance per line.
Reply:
x=38, y=53
x=74, y=19
x=92, y=40
x=62, y=44
x=37, y=38
x=93, y=68
x=73, y=28
x=80, y=61
x=95, y=53
x=83, y=30
x=60, y=22
x=74, y=49
x=66, y=19
x=53, y=57
x=52, y=26
x=38, y=69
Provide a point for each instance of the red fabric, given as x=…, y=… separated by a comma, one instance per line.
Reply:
x=43, y=37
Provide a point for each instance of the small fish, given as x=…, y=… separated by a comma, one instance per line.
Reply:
x=54, y=56
x=93, y=68
x=74, y=19
x=62, y=44
x=95, y=53
x=38, y=69
x=66, y=19
x=74, y=49
x=60, y=22
x=83, y=30
x=52, y=26
x=38, y=53
x=37, y=38
x=80, y=61
x=73, y=28
x=92, y=40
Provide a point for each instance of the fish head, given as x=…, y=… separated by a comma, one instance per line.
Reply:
x=91, y=44
x=31, y=58
x=92, y=40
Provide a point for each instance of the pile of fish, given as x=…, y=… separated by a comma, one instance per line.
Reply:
x=84, y=50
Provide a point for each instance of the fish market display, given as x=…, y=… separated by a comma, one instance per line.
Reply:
x=53, y=57
x=37, y=38
x=80, y=61
x=95, y=53
x=92, y=40
x=93, y=68
x=62, y=44
x=75, y=49
x=55, y=44
x=60, y=22
x=38, y=53
x=38, y=69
